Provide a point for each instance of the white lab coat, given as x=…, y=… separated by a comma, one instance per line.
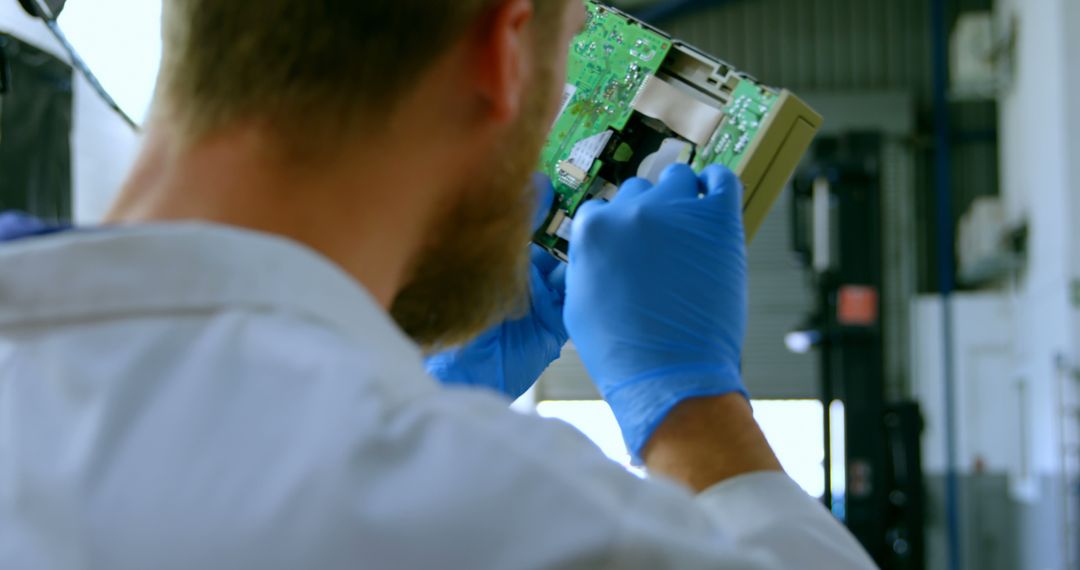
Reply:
x=195, y=397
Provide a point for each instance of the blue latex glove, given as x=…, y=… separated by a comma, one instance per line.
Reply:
x=656, y=295
x=17, y=225
x=510, y=357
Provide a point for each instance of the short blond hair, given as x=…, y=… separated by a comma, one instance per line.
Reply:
x=304, y=66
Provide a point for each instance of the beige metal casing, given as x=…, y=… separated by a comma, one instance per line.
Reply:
x=773, y=157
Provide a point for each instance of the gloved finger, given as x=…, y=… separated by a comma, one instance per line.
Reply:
x=556, y=281
x=721, y=182
x=678, y=181
x=583, y=220
x=548, y=303
x=545, y=198
x=543, y=261
x=631, y=189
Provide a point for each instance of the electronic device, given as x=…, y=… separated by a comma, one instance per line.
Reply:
x=637, y=101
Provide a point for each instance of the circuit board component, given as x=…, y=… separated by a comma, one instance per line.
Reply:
x=637, y=101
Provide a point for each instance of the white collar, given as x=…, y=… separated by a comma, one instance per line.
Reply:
x=181, y=267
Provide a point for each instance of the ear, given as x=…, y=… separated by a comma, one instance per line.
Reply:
x=502, y=58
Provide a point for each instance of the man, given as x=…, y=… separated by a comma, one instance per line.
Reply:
x=229, y=374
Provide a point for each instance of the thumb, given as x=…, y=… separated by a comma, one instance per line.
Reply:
x=556, y=281
x=723, y=186
x=543, y=261
x=584, y=221
x=545, y=199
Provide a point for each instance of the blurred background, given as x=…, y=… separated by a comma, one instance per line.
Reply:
x=914, y=345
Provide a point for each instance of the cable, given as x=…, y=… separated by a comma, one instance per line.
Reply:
x=43, y=11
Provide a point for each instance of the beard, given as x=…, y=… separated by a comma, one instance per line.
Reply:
x=473, y=272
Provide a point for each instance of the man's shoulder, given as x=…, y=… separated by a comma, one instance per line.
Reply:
x=250, y=424
x=271, y=348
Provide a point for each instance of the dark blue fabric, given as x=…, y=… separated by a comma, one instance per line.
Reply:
x=17, y=225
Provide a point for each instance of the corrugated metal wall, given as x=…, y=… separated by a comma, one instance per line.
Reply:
x=818, y=45
x=780, y=299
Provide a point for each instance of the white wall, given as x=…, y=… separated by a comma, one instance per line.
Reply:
x=103, y=146
x=1071, y=22
x=1038, y=151
x=1014, y=347
x=992, y=394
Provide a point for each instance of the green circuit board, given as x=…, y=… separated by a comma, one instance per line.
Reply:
x=608, y=64
x=598, y=136
x=743, y=119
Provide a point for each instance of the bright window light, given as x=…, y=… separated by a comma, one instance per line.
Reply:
x=839, y=457
x=595, y=420
x=793, y=427
x=795, y=430
x=120, y=40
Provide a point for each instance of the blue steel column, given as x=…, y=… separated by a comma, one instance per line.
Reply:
x=946, y=253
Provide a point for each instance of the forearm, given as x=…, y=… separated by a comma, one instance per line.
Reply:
x=705, y=441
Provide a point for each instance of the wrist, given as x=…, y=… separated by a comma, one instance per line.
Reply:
x=704, y=441
x=642, y=403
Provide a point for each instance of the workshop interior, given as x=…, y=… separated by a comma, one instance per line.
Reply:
x=913, y=351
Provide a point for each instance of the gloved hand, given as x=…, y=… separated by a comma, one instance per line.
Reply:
x=656, y=295
x=510, y=357
x=17, y=225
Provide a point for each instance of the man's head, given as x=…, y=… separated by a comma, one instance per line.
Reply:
x=314, y=66
x=319, y=75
